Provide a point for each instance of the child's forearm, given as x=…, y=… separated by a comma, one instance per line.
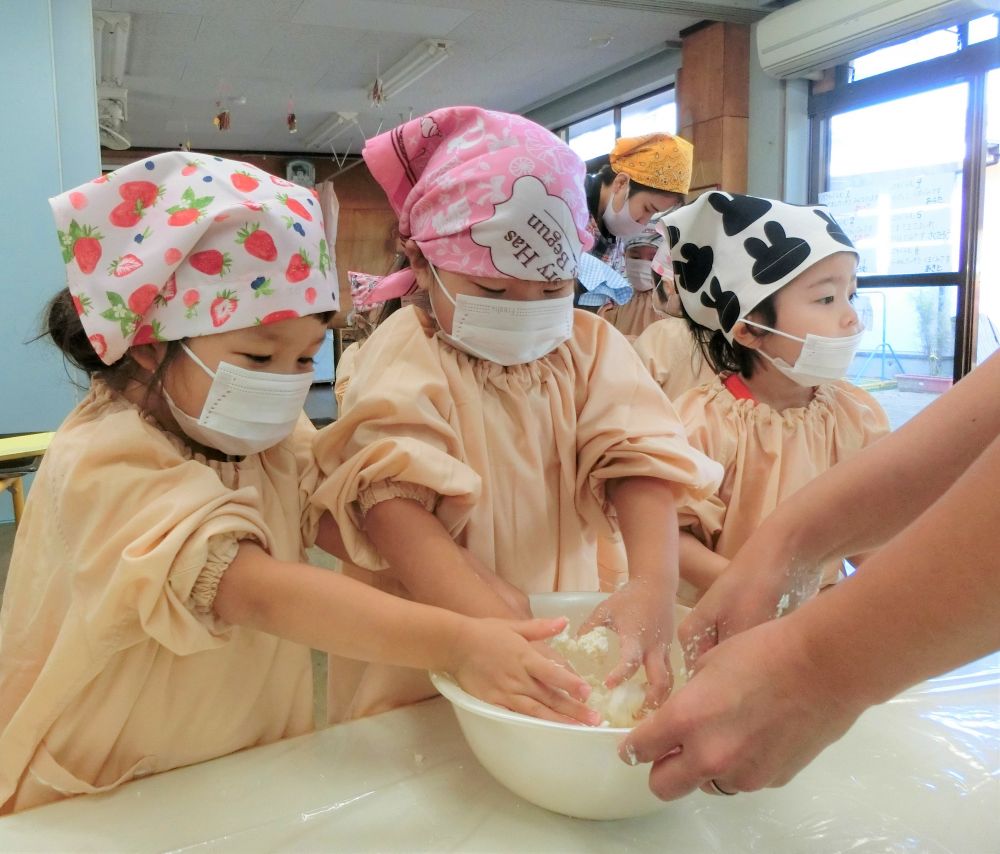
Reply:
x=328, y=537
x=647, y=518
x=328, y=611
x=700, y=566
x=425, y=558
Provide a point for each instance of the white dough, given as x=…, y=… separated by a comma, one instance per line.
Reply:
x=592, y=655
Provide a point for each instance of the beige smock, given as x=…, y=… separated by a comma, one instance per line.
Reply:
x=513, y=461
x=633, y=318
x=672, y=356
x=112, y=664
x=342, y=375
x=768, y=455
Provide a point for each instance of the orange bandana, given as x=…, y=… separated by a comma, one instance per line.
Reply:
x=657, y=160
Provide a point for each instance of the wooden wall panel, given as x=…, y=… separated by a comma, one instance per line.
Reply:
x=713, y=96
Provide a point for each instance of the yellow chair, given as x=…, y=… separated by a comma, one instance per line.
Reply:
x=19, y=456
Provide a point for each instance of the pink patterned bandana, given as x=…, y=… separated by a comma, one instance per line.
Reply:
x=368, y=291
x=186, y=244
x=484, y=193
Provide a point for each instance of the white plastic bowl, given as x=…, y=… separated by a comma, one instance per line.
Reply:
x=573, y=770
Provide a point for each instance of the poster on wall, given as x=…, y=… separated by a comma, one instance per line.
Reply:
x=301, y=172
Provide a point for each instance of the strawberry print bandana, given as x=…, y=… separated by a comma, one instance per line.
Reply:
x=483, y=193
x=185, y=244
x=728, y=253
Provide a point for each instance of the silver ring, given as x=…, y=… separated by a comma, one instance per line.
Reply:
x=718, y=789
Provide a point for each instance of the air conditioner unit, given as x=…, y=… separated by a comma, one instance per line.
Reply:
x=810, y=35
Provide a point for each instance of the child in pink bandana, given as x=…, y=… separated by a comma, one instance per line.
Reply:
x=486, y=444
x=159, y=610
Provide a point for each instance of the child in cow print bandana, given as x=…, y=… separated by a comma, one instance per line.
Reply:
x=767, y=288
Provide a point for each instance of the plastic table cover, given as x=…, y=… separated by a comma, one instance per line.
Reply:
x=918, y=774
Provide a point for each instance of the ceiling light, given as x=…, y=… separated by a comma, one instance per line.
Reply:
x=111, y=31
x=425, y=56
x=333, y=127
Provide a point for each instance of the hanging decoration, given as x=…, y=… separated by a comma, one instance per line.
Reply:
x=290, y=120
x=377, y=93
x=221, y=120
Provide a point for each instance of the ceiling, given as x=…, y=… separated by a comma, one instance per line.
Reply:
x=255, y=56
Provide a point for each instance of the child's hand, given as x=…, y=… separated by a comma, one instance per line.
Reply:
x=496, y=661
x=641, y=614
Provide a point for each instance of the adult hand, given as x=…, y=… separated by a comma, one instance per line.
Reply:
x=496, y=661
x=641, y=613
x=759, y=584
x=755, y=712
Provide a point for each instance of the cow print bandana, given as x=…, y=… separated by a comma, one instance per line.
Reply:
x=728, y=253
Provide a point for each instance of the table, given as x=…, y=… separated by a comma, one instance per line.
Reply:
x=15, y=447
x=28, y=445
x=918, y=774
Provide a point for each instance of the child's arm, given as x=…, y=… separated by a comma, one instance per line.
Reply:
x=425, y=558
x=642, y=611
x=699, y=565
x=492, y=659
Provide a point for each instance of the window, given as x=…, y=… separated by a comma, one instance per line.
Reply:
x=929, y=46
x=654, y=114
x=892, y=157
x=594, y=136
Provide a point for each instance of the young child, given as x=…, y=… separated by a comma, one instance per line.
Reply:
x=768, y=288
x=634, y=316
x=668, y=347
x=503, y=421
x=158, y=610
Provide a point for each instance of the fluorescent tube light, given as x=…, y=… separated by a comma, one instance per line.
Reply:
x=334, y=126
x=427, y=55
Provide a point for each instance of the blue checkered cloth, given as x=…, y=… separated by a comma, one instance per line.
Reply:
x=601, y=283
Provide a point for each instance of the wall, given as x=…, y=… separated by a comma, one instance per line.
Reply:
x=778, y=134
x=48, y=143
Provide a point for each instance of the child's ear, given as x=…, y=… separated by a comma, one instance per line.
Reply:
x=149, y=356
x=414, y=255
x=747, y=336
x=418, y=263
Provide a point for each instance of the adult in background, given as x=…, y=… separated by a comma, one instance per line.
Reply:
x=646, y=175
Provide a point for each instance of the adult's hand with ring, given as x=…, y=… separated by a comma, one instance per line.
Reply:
x=716, y=789
x=754, y=713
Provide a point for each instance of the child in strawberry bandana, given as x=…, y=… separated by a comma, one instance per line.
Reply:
x=767, y=288
x=487, y=443
x=159, y=610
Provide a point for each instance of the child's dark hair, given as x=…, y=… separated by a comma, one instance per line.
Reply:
x=62, y=324
x=607, y=175
x=726, y=357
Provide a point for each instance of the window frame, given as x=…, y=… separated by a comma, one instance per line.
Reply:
x=562, y=131
x=970, y=65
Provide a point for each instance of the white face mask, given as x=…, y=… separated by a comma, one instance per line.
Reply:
x=639, y=274
x=246, y=412
x=508, y=332
x=620, y=222
x=821, y=359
